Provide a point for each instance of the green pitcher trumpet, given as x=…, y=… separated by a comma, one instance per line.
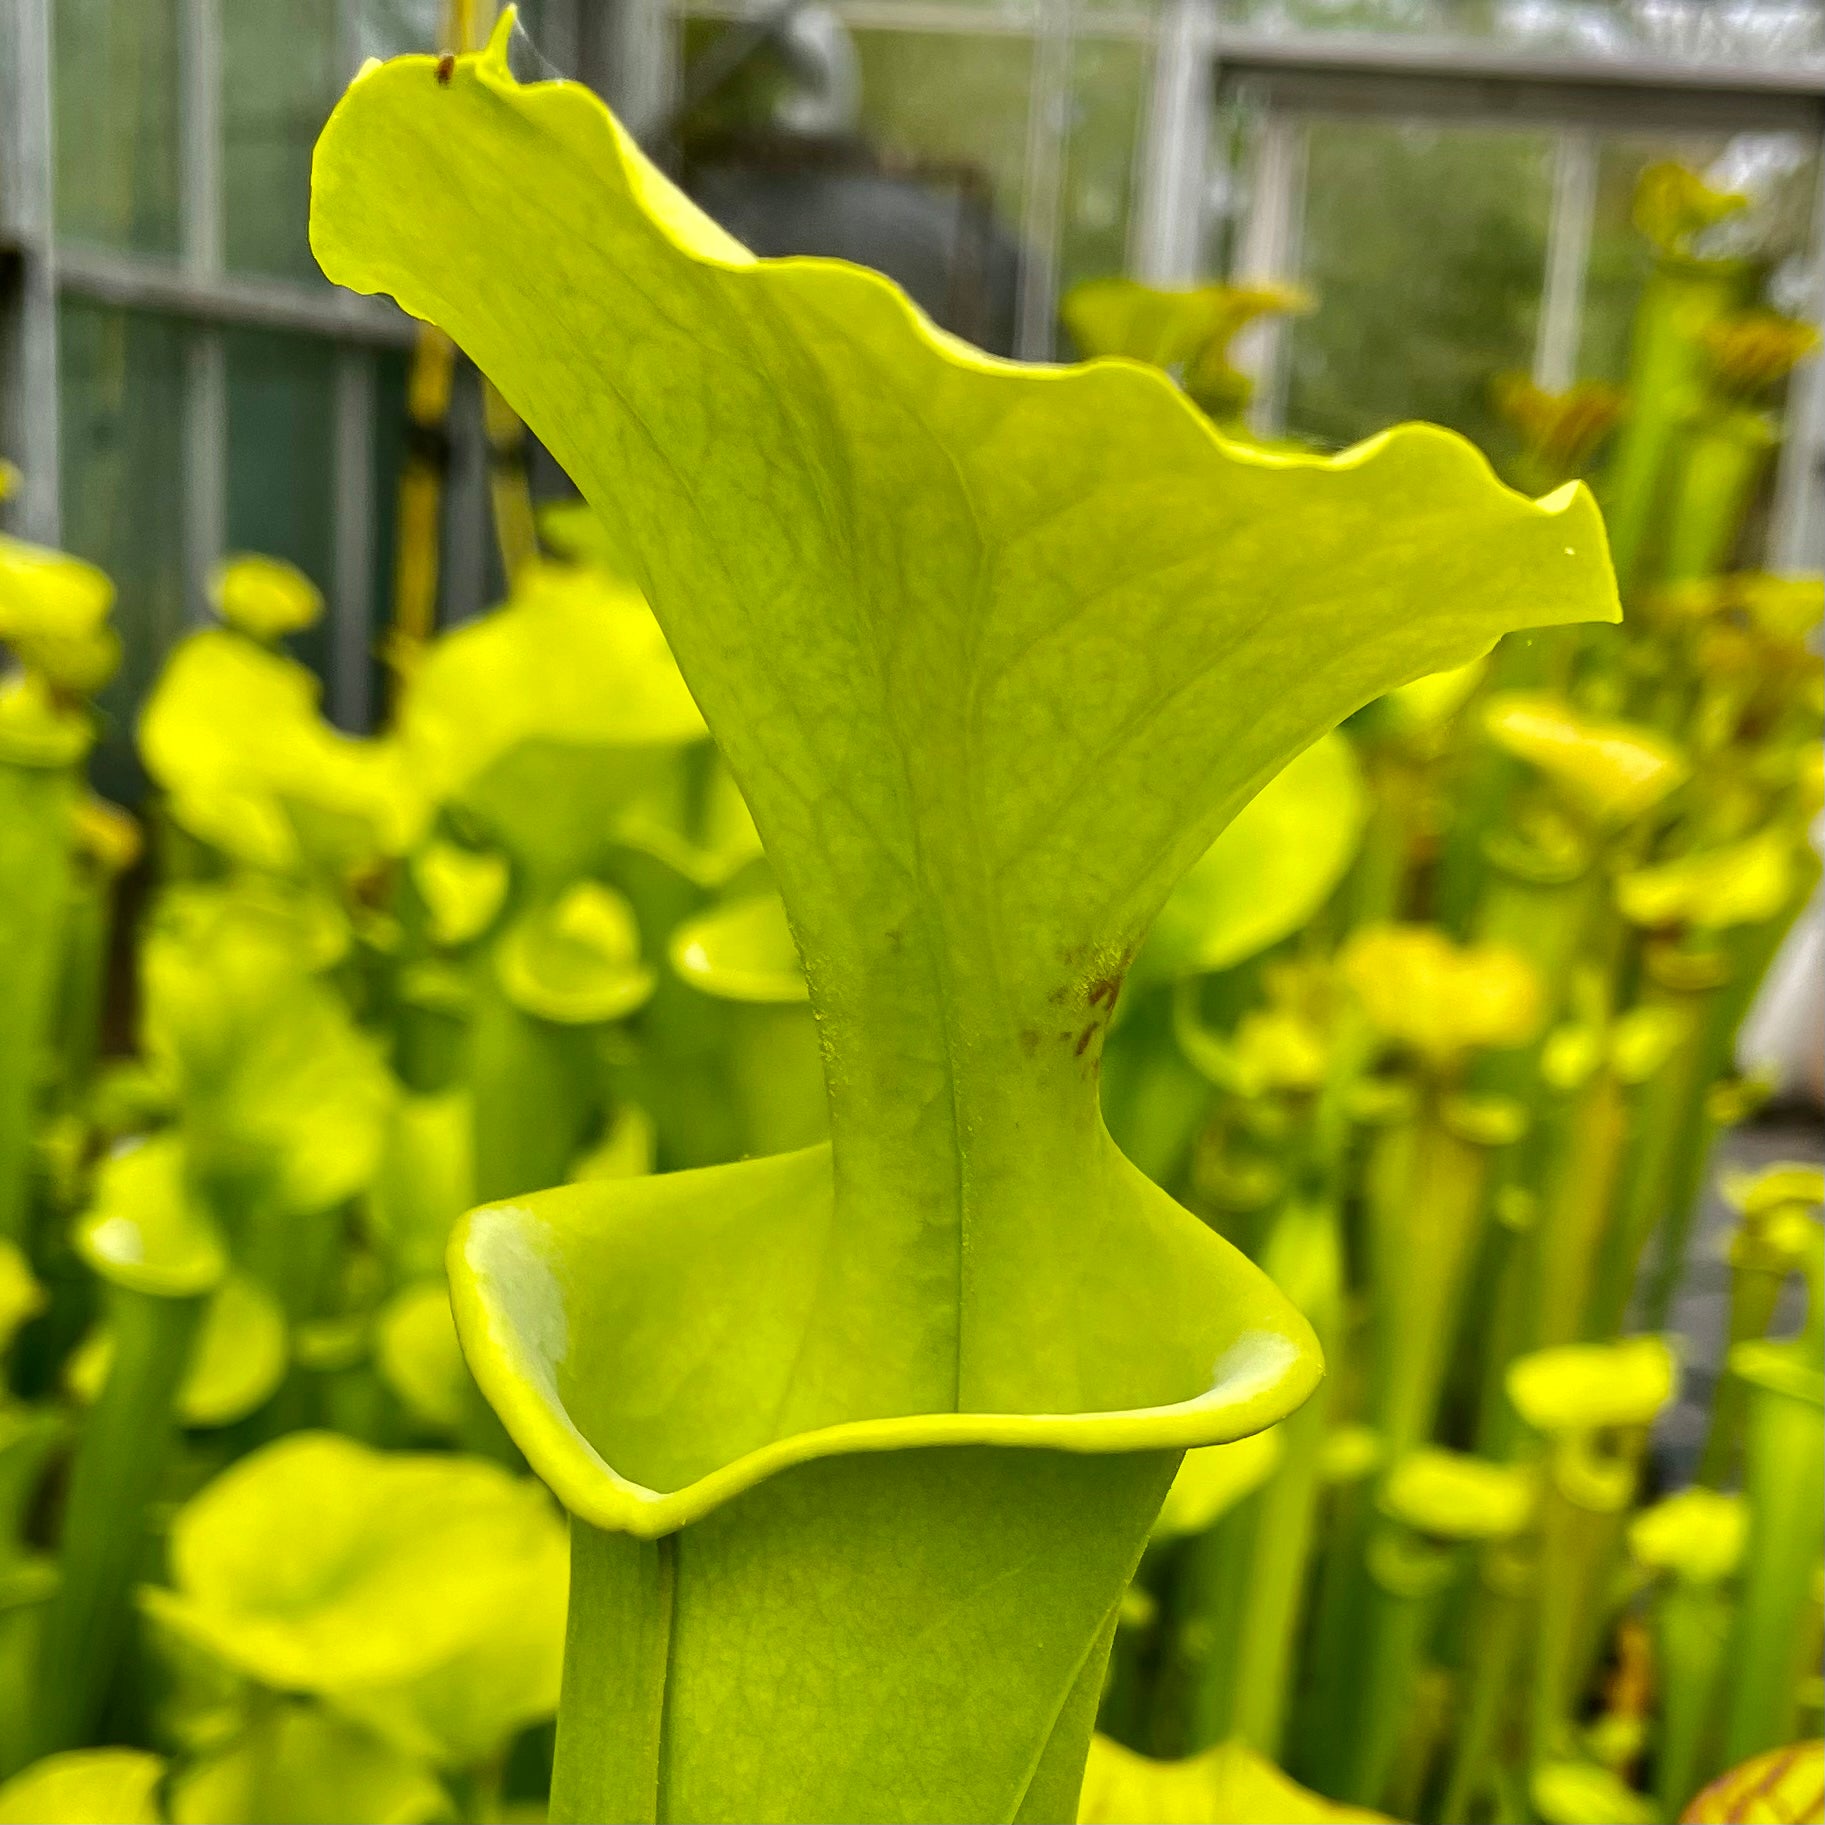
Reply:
x=1592, y=1404
x=1609, y=773
x=1596, y=1080
x=53, y=612
x=1686, y=295
x=1783, y=1783
x=28, y=1436
x=1560, y=431
x=281, y=1099
x=233, y=735
x=1437, y=1001
x=106, y=843
x=1730, y=440
x=161, y=1256
x=1775, y=1239
x=1303, y=1255
x=553, y=730
x=1433, y=1179
x=237, y=1357
x=1432, y=1504
x=1693, y=1542
x=901, y=579
x=278, y=1104
x=1785, y=1483
x=1683, y=987
x=1206, y=1525
x=1538, y=887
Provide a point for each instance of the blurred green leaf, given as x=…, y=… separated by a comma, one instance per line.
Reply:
x=423, y=1594
x=626, y=1149
x=86, y=1787
x=555, y=721
x=38, y=728
x=575, y=960
x=1742, y=883
x=1697, y=1534
x=1614, y=772
x=232, y=733
x=1673, y=204
x=1585, y=1387
x=573, y=658
x=1269, y=872
x=1428, y=703
x=419, y=1357
x=145, y=1228
x=1582, y=1793
x=278, y=1087
x=1213, y=1479
x=21, y=1295
x=49, y=594
x=741, y=951
x=463, y=889
x=300, y=1766
x=264, y=597
x=1438, y=998
x=1228, y=1785
x=1452, y=1496
x=424, y=1182
x=1783, y=1182
x=237, y=1359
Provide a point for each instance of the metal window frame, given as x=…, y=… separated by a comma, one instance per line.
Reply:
x=1798, y=541
x=1166, y=238
x=1042, y=195
x=202, y=244
x=28, y=332
x=196, y=290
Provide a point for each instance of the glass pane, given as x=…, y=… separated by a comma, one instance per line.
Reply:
x=951, y=102
x=386, y=28
x=281, y=443
x=1779, y=174
x=1108, y=78
x=902, y=151
x=391, y=368
x=1424, y=248
x=116, y=123
x=122, y=417
x=280, y=80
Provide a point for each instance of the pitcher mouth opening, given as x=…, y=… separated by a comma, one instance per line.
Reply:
x=646, y=1454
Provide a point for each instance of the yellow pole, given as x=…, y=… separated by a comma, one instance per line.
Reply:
x=421, y=482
